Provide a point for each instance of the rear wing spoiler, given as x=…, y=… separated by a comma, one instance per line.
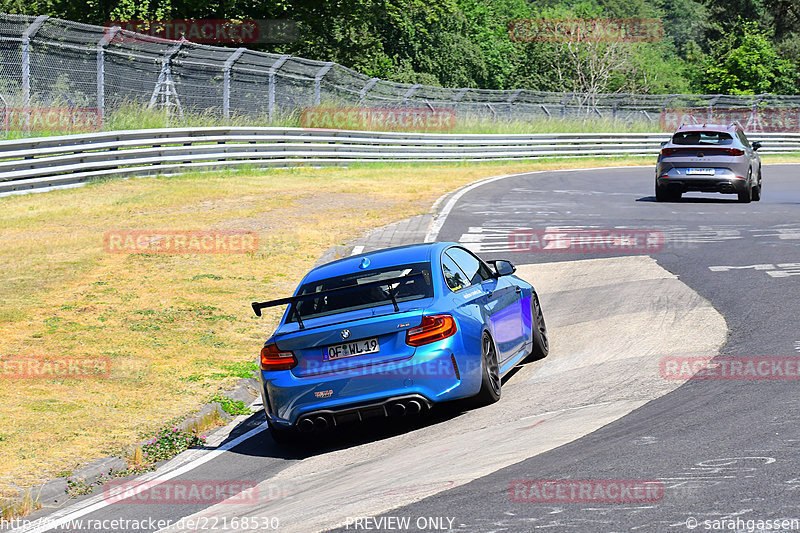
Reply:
x=292, y=300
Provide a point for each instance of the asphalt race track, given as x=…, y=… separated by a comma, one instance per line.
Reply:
x=598, y=408
x=724, y=449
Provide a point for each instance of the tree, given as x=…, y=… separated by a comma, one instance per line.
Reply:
x=746, y=62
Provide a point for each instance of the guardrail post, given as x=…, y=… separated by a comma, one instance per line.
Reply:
x=460, y=95
x=318, y=81
x=27, y=35
x=362, y=94
x=165, y=81
x=409, y=92
x=5, y=117
x=546, y=112
x=108, y=36
x=564, y=101
x=711, y=103
x=754, y=119
x=272, y=71
x=670, y=98
x=511, y=99
x=226, y=82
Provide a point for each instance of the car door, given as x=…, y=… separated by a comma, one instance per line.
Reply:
x=501, y=301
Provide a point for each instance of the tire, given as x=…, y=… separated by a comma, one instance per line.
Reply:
x=541, y=344
x=665, y=195
x=747, y=195
x=491, y=386
x=757, y=189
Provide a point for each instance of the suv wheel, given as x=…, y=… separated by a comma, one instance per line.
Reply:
x=757, y=188
x=747, y=194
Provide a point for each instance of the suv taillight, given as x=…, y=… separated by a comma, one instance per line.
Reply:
x=669, y=151
x=735, y=151
x=274, y=359
x=433, y=328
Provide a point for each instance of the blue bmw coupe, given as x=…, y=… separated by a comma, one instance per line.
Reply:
x=392, y=332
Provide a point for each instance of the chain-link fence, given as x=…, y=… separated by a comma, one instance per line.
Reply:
x=52, y=62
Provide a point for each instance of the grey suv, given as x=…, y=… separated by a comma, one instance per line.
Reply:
x=709, y=158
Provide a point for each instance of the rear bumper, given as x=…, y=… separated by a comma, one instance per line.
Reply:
x=430, y=377
x=723, y=180
x=321, y=419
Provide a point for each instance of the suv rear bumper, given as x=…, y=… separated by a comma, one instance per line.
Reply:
x=723, y=181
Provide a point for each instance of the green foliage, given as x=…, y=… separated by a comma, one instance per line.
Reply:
x=736, y=46
x=746, y=62
x=168, y=443
x=230, y=406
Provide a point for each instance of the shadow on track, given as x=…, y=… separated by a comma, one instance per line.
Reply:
x=347, y=435
x=691, y=200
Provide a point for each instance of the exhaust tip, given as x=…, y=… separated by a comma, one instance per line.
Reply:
x=305, y=425
x=397, y=409
x=414, y=407
x=321, y=423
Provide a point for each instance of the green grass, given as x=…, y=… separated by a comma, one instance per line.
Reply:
x=230, y=406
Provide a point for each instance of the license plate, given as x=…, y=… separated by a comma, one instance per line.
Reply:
x=351, y=349
x=700, y=171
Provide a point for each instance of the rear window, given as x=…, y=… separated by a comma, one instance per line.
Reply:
x=360, y=298
x=702, y=137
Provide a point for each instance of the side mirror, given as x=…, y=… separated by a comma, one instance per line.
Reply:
x=756, y=145
x=504, y=268
x=664, y=143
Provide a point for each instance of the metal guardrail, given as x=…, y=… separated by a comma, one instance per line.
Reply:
x=69, y=160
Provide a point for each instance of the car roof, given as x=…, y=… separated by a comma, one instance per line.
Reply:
x=399, y=255
x=708, y=127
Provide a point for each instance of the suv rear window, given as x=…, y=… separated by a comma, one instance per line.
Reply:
x=360, y=298
x=702, y=137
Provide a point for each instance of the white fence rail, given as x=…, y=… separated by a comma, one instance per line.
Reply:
x=69, y=160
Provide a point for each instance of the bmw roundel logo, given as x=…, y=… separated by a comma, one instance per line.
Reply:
x=345, y=333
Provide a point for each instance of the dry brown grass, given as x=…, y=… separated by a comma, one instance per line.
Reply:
x=175, y=327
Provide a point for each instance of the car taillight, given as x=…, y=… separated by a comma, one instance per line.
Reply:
x=669, y=151
x=274, y=359
x=433, y=328
x=735, y=151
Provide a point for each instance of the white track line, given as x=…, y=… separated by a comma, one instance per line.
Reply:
x=441, y=217
x=64, y=520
